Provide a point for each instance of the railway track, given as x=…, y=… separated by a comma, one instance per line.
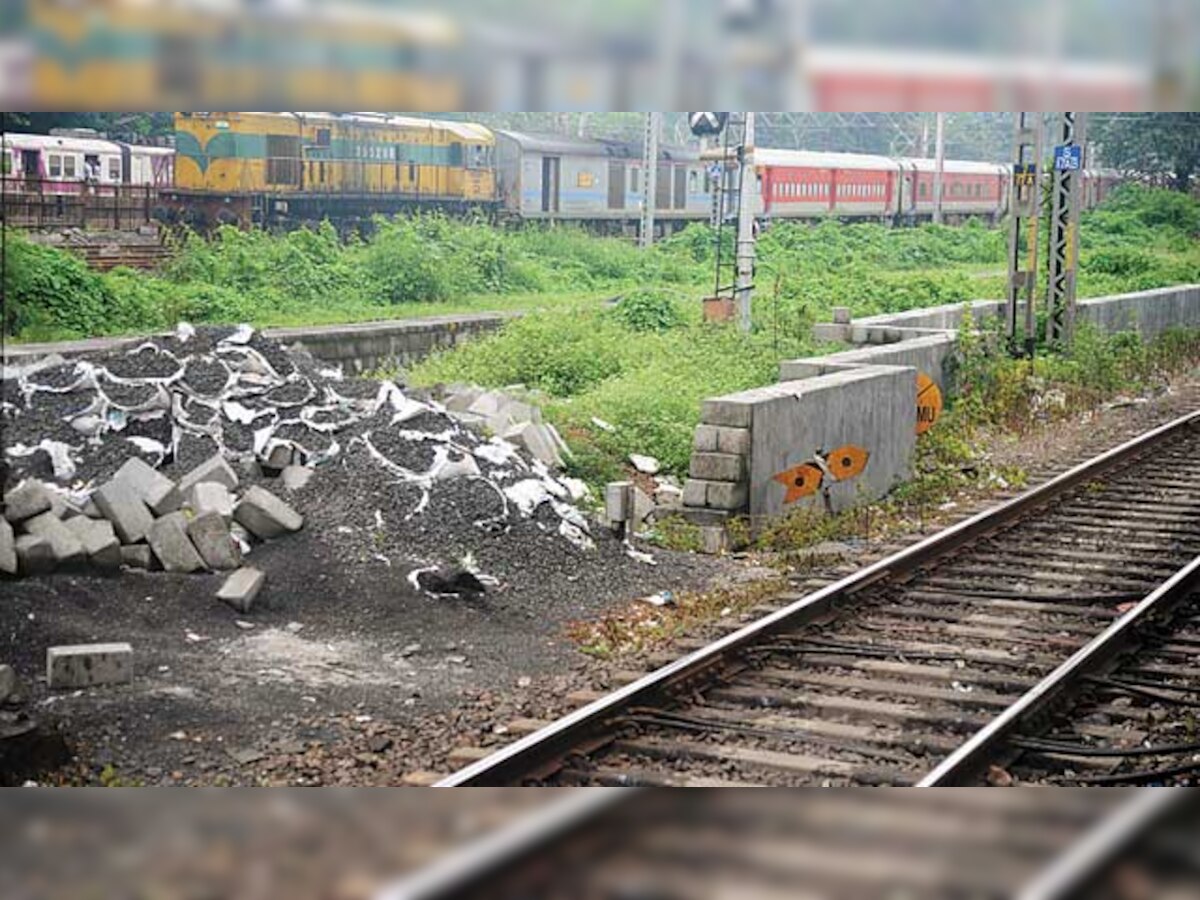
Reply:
x=922, y=668
x=1031, y=845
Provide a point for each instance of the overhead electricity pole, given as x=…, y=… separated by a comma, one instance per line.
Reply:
x=649, y=177
x=1024, y=206
x=744, y=283
x=939, y=167
x=1070, y=138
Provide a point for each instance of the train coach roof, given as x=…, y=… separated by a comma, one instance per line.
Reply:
x=956, y=166
x=59, y=142
x=765, y=156
x=553, y=143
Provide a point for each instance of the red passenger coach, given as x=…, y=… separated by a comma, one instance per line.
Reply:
x=804, y=184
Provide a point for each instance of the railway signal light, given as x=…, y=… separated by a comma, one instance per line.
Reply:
x=707, y=124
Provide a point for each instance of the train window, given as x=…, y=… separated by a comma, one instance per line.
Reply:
x=693, y=181
x=114, y=169
x=923, y=191
x=6, y=164
x=68, y=167
x=321, y=171
x=412, y=171
x=55, y=165
x=324, y=138
x=635, y=175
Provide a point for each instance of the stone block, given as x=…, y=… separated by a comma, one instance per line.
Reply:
x=156, y=490
x=137, y=556
x=643, y=506
x=717, y=467
x=68, y=549
x=616, y=501
x=99, y=540
x=714, y=539
x=461, y=398
x=296, y=478
x=727, y=412
x=266, y=516
x=280, y=457
x=668, y=497
x=11, y=689
x=210, y=496
x=704, y=440
x=169, y=540
x=536, y=441
x=123, y=506
x=210, y=536
x=841, y=315
x=214, y=470
x=487, y=404
x=727, y=495
x=242, y=588
x=35, y=556
x=26, y=500
x=695, y=493
x=8, y=548
x=88, y=665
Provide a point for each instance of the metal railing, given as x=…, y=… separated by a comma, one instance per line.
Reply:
x=31, y=202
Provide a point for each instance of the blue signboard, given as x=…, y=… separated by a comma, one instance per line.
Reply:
x=1068, y=158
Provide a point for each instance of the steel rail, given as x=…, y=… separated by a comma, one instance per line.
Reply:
x=969, y=761
x=533, y=752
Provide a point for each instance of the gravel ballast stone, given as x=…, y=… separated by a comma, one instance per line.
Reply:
x=169, y=540
x=266, y=516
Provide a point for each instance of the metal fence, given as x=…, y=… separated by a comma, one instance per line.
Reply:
x=36, y=203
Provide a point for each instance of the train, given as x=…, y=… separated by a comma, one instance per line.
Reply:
x=279, y=169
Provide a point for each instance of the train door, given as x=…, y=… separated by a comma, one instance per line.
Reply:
x=662, y=190
x=283, y=160
x=616, y=185
x=30, y=161
x=681, y=177
x=550, y=172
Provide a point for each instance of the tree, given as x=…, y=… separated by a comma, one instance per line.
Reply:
x=1163, y=147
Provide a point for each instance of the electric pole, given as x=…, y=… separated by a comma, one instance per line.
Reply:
x=939, y=167
x=649, y=178
x=744, y=283
x=1069, y=162
x=1024, y=207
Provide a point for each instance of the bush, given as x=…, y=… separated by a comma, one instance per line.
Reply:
x=49, y=292
x=648, y=310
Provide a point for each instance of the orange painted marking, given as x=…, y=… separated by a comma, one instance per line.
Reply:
x=929, y=402
x=801, y=481
x=847, y=462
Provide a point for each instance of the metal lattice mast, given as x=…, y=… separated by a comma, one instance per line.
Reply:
x=744, y=283
x=1024, y=205
x=1066, y=188
x=650, y=177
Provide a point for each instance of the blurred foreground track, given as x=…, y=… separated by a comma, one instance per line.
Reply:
x=914, y=663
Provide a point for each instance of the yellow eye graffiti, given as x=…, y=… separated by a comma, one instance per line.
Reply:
x=801, y=481
x=847, y=462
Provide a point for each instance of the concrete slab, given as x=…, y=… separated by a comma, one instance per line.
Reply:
x=616, y=501
x=99, y=540
x=210, y=496
x=123, y=506
x=169, y=540
x=156, y=490
x=718, y=467
x=215, y=470
x=8, y=548
x=242, y=588
x=88, y=665
x=35, y=556
x=26, y=500
x=266, y=516
x=209, y=534
x=137, y=556
x=536, y=441
x=66, y=547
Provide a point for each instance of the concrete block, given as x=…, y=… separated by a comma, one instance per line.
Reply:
x=210, y=496
x=461, y=398
x=280, y=457
x=616, y=501
x=215, y=470
x=8, y=548
x=733, y=440
x=91, y=510
x=169, y=540
x=266, y=516
x=296, y=478
x=487, y=404
x=68, y=549
x=156, y=490
x=35, y=556
x=536, y=441
x=726, y=495
x=123, y=506
x=668, y=497
x=28, y=499
x=704, y=440
x=643, y=506
x=714, y=539
x=717, y=467
x=242, y=588
x=88, y=665
x=695, y=493
x=137, y=556
x=99, y=541
x=841, y=315
x=210, y=536
x=11, y=689
x=725, y=411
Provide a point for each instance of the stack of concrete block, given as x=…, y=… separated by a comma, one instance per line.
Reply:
x=141, y=519
x=513, y=418
x=719, y=484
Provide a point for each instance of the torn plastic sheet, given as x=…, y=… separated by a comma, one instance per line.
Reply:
x=309, y=413
x=639, y=556
x=573, y=534
x=150, y=447
x=19, y=371
x=85, y=380
x=499, y=452
x=59, y=453
x=527, y=495
x=184, y=332
x=241, y=335
x=244, y=415
x=445, y=469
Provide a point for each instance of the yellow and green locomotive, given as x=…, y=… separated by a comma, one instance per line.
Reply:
x=268, y=167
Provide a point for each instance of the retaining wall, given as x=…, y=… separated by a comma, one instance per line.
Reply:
x=841, y=428
x=357, y=348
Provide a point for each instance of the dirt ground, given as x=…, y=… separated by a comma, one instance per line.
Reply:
x=347, y=675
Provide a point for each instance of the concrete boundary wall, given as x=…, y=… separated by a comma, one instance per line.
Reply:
x=768, y=451
x=356, y=348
